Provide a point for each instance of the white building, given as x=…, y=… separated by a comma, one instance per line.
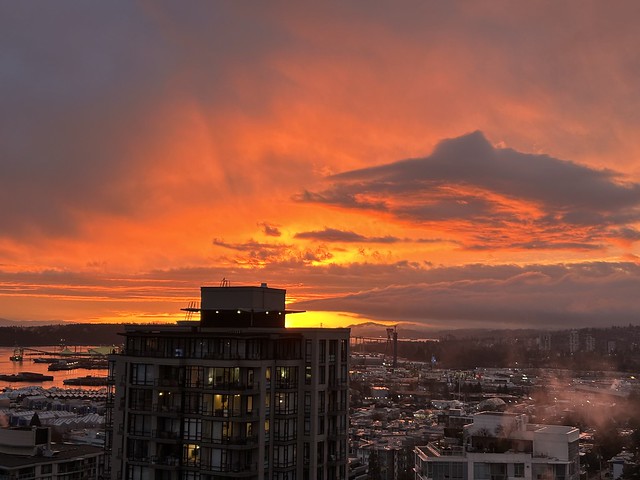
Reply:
x=503, y=446
x=618, y=463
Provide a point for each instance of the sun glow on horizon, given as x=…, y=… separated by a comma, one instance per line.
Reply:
x=328, y=319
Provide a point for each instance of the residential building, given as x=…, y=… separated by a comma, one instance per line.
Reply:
x=502, y=446
x=574, y=342
x=544, y=342
x=26, y=453
x=233, y=395
x=589, y=343
x=391, y=456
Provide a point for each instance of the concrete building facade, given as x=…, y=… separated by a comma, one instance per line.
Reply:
x=503, y=446
x=234, y=395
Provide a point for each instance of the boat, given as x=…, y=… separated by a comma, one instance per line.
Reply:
x=45, y=360
x=26, y=377
x=93, y=364
x=87, y=381
x=63, y=365
x=18, y=355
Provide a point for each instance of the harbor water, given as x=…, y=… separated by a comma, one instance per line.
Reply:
x=11, y=367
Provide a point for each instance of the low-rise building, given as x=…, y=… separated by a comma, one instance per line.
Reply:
x=26, y=453
x=502, y=446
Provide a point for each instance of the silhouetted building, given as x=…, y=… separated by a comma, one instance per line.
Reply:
x=234, y=395
x=544, y=342
x=574, y=341
x=589, y=343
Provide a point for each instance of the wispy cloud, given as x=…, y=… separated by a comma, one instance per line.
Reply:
x=270, y=230
x=132, y=134
x=255, y=254
x=335, y=235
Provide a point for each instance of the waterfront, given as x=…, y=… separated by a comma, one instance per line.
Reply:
x=9, y=367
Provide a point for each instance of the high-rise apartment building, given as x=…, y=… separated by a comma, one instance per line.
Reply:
x=574, y=342
x=589, y=343
x=233, y=395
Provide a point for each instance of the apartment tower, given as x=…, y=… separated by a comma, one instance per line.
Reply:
x=233, y=395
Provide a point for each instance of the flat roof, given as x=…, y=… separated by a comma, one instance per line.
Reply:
x=62, y=452
x=556, y=429
x=191, y=326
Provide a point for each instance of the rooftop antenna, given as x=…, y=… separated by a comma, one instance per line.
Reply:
x=225, y=283
x=191, y=308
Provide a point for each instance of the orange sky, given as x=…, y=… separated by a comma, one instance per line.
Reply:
x=451, y=164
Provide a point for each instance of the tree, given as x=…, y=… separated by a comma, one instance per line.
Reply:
x=631, y=471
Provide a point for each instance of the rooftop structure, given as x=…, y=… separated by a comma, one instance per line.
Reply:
x=27, y=453
x=502, y=446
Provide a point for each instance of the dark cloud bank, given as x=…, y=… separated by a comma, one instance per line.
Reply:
x=505, y=296
x=561, y=204
x=499, y=198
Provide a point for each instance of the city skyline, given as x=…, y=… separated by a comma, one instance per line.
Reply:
x=446, y=164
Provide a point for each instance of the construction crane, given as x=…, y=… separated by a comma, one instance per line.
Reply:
x=392, y=344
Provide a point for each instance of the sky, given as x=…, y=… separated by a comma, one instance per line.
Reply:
x=446, y=164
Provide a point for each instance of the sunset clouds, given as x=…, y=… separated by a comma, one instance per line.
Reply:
x=531, y=201
x=446, y=163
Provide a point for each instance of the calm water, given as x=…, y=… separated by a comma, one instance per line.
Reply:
x=8, y=367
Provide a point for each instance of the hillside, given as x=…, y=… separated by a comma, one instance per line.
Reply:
x=67, y=334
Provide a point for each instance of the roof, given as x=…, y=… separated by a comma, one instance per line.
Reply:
x=100, y=351
x=555, y=429
x=62, y=452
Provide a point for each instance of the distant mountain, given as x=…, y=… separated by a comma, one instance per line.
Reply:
x=27, y=334
x=379, y=330
x=5, y=322
x=411, y=331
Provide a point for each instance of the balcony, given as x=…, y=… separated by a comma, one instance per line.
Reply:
x=250, y=441
x=165, y=435
x=337, y=409
x=282, y=438
x=144, y=459
x=161, y=408
x=231, y=387
x=168, y=382
x=141, y=407
x=232, y=470
x=441, y=450
x=236, y=414
x=168, y=460
x=286, y=384
x=336, y=432
x=335, y=384
x=284, y=466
